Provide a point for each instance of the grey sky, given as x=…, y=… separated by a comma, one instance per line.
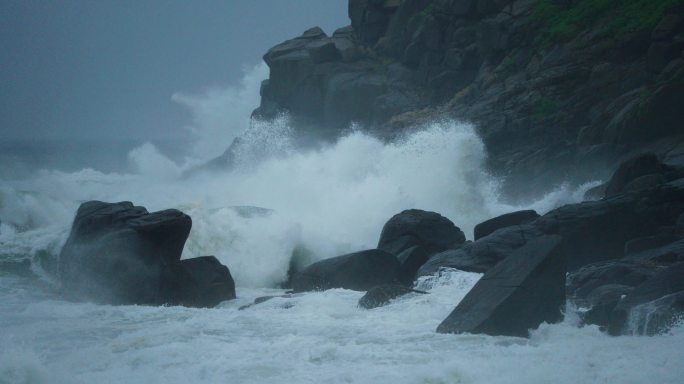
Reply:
x=98, y=68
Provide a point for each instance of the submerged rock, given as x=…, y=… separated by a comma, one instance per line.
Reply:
x=522, y=291
x=358, y=271
x=637, y=173
x=383, y=294
x=119, y=253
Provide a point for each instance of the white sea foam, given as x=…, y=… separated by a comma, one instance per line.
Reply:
x=318, y=337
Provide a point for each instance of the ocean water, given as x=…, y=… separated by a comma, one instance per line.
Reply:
x=328, y=200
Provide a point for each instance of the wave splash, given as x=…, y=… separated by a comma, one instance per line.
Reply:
x=327, y=201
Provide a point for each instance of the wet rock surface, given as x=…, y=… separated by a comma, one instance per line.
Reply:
x=119, y=253
x=358, y=271
x=519, y=293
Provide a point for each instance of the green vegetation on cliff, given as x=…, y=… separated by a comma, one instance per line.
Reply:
x=620, y=16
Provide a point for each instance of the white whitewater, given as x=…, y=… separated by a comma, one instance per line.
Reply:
x=329, y=200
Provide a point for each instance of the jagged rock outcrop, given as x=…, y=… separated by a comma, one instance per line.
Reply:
x=119, y=253
x=558, y=90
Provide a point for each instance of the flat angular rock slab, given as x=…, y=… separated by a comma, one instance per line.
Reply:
x=359, y=271
x=514, y=218
x=383, y=294
x=522, y=291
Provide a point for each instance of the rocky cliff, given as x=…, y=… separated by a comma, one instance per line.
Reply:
x=558, y=89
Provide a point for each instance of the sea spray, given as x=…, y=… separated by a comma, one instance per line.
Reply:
x=328, y=200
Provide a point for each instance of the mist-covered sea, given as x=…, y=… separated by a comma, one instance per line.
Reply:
x=329, y=200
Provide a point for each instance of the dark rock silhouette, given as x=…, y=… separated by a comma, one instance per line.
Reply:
x=119, y=253
x=417, y=227
x=358, y=271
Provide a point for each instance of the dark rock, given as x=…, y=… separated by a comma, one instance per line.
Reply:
x=660, y=53
x=595, y=231
x=667, y=26
x=644, y=182
x=662, y=249
x=323, y=50
x=200, y=282
x=481, y=255
x=358, y=271
x=412, y=259
x=370, y=18
x=596, y=193
x=646, y=164
x=509, y=219
x=601, y=302
x=115, y=253
x=620, y=272
x=524, y=290
x=664, y=283
x=344, y=42
x=679, y=228
x=649, y=242
x=264, y=299
x=657, y=316
x=432, y=230
x=383, y=294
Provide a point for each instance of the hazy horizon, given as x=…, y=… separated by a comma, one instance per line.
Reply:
x=109, y=70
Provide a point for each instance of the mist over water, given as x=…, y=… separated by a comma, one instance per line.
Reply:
x=328, y=200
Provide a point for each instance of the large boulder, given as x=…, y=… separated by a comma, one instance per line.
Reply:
x=199, y=282
x=595, y=231
x=417, y=227
x=119, y=253
x=358, y=271
x=522, y=291
x=509, y=219
x=412, y=259
x=645, y=167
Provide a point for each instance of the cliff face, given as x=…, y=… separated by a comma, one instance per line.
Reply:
x=555, y=87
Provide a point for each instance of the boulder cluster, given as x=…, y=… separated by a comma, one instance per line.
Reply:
x=620, y=260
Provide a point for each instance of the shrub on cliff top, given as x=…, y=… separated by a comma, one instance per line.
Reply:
x=561, y=23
